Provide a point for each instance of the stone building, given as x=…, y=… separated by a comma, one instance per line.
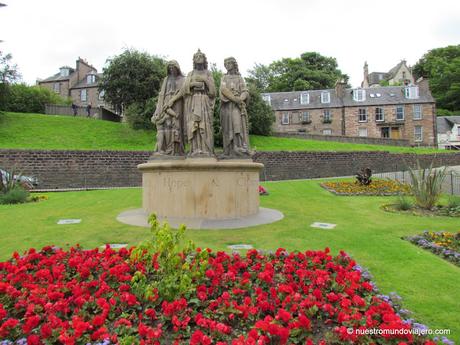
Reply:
x=394, y=112
x=401, y=74
x=448, y=128
x=79, y=83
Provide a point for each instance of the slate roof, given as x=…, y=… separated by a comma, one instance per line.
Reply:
x=278, y=100
x=389, y=95
x=58, y=77
x=445, y=123
x=374, y=78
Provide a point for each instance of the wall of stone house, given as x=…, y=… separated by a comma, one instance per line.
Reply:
x=316, y=117
x=352, y=124
x=63, y=87
x=92, y=97
x=399, y=76
x=59, y=169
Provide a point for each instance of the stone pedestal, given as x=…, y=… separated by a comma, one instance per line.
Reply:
x=201, y=188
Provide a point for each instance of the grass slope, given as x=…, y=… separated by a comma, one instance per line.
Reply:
x=429, y=285
x=34, y=131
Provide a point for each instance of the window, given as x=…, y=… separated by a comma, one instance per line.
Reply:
x=327, y=131
x=64, y=72
x=411, y=92
x=400, y=113
x=327, y=116
x=267, y=99
x=304, y=98
x=56, y=87
x=385, y=132
x=305, y=117
x=285, y=119
x=362, y=115
x=458, y=131
x=379, y=115
x=417, y=112
x=325, y=97
x=83, y=95
x=90, y=79
x=101, y=95
x=418, y=133
x=362, y=132
x=359, y=95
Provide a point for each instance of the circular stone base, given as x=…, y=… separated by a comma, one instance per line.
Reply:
x=138, y=217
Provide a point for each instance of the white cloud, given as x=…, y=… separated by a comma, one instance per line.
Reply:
x=44, y=35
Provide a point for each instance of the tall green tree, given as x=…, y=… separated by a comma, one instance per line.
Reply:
x=217, y=76
x=260, y=115
x=442, y=67
x=8, y=74
x=309, y=71
x=131, y=80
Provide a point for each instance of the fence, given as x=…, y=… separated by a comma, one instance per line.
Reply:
x=95, y=112
x=450, y=185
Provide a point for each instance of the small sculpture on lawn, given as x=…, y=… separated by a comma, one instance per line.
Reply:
x=363, y=177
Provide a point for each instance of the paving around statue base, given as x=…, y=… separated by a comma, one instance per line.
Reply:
x=138, y=217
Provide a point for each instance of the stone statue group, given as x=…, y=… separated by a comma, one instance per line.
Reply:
x=185, y=108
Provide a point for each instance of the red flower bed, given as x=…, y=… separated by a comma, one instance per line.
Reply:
x=80, y=297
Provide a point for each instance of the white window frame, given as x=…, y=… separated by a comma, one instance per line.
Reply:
x=418, y=137
x=57, y=88
x=90, y=79
x=325, y=97
x=411, y=92
x=360, y=132
x=327, y=117
x=417, y=111
x=379, y=111
x=304, y=98
x=327, y=131
x=458, y=131
x=285, y=118
x=65, y=72
x=359, y=95
x=305, y=116
x=360, y=114
x=101, y=95
x=400, y=119
x=83, y=95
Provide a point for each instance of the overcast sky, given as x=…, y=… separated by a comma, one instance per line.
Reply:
x=47, y=34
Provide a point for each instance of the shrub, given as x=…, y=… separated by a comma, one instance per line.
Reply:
x=426, y=185
x=260, y=114
x=16, y=195
x=453, y=202
x=29, y=99
x=138, y=114
x=403, y=203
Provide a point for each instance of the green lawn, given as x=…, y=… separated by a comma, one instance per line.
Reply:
x=429, y=285
x=34, y=131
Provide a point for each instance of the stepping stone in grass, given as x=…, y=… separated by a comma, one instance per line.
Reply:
x=240, y=246
x=116, y=245
x=323, y=225
x=69, y=221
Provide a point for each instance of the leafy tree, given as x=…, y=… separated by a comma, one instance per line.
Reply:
x=133, y=78
x=260, y=114
x=442, y=67
x=310, y=71
x=217, y=75
x=8, y=74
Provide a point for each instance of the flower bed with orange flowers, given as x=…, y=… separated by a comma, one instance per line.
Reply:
x=445, y=244
x=81, y=296
x=376, y=187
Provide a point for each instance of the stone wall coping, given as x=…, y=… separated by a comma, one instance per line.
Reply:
x=194, y=164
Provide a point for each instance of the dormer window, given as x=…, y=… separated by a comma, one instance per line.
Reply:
x=325, y=97
x=64, y=71
x=411, y=92
x=90, y=79
x=304, y=98
x=359, y=95
x=267, y=99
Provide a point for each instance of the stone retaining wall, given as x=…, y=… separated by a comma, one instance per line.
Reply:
x=59, y=169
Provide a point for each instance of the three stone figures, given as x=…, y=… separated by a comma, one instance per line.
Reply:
x=185, y=108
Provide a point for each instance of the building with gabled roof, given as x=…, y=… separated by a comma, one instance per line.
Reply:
x=394, y=112
x=448, y=128
x=401, y=74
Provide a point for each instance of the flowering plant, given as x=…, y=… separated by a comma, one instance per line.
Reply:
x=377, y=187
x=81, y=296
